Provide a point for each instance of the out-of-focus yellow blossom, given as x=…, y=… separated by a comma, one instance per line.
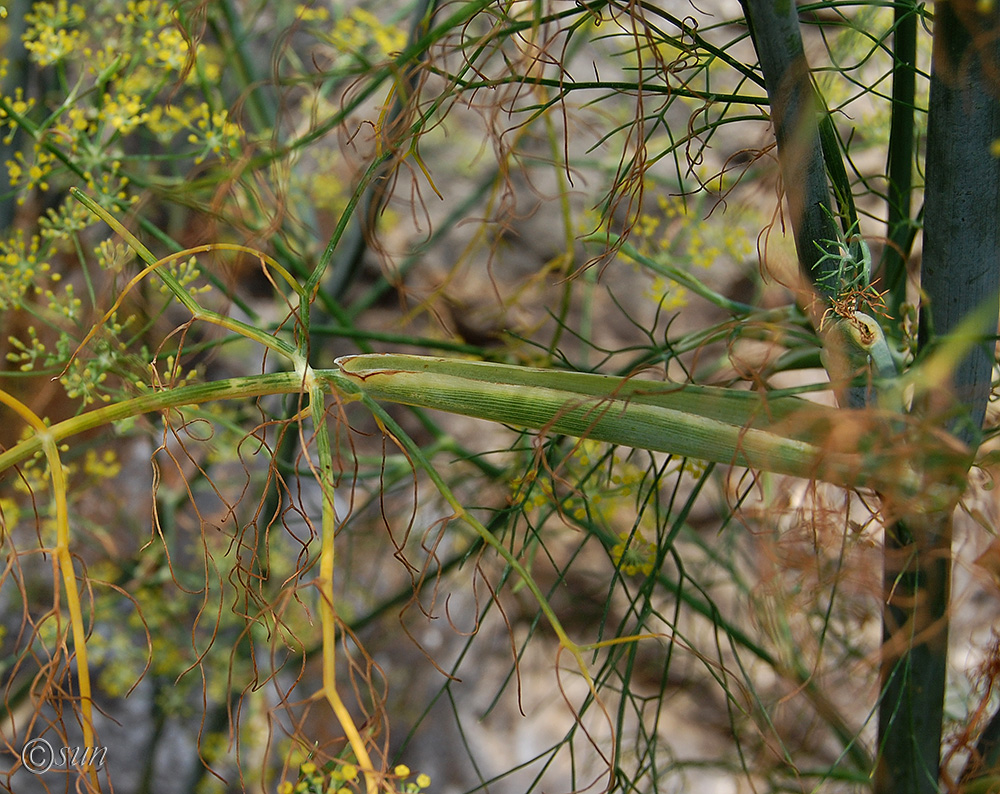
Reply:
x=361, y=29
x=123, y=113
x=169, y=50
x=633, y=554
x=311, y=13
x=51, y=35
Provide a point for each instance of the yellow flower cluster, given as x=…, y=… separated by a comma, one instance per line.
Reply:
x=603, y=491
x=13, y=109
x=21, y=267
x=634, y=554
x=103, y=466
x=52, y=35
x=33, y=479
x=122, y=112
x=311, y=13
x=153, y=23
x=83, y=380
x=67, y=305
x=168, y=50
x=96, y=468
x=10, y=514
x=26, y=355
x=594, y=501
x=693, y=467
x=679, y=233
x=402, y=771
x=170, y=374
x=32, y=174
x=127, y=80
x=361, y=31
x=113, y=256
x=212, y=131
x=344, y=779
x=187, y=273
x=119, y=88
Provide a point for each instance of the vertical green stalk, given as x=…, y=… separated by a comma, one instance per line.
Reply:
x=899, y=163
x=917, y=584
x=326, y=476
x=961, y=260
x=960, y=273
x=774, y=28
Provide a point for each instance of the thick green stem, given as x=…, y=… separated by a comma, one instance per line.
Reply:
x=900, y=156
x=917, y=575
x=960, y=274
x=961, y=261
x=774, y=27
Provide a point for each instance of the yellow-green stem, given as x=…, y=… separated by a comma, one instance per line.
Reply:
x=327, y=562
x=63, y=560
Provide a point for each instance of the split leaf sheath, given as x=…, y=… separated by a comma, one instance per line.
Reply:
x=740, y=428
